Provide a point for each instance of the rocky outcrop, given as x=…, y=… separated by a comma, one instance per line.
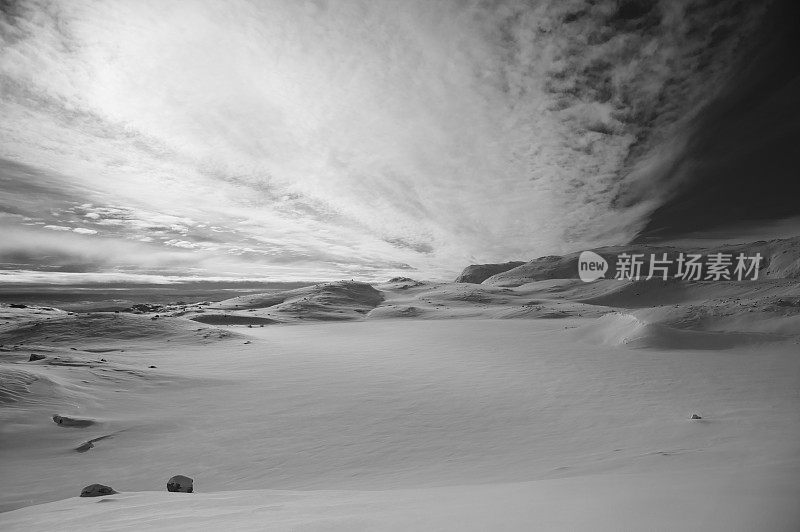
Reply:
x=143, y=308
x=477, y=273
x=548, y=267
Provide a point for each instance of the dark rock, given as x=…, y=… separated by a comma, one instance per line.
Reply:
x=151, y=367
x=180, y=483
x=65, y=421
x=696, y=416
x=18, y=305
x=34, y=357
x=97, y=490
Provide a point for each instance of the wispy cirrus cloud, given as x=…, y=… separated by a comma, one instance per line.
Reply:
x=352, y=137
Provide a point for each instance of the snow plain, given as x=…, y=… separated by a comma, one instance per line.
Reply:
x=575, y=418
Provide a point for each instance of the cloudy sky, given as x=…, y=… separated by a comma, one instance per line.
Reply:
x=290, y=139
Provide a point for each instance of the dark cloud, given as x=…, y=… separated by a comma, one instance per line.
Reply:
x=741, y=157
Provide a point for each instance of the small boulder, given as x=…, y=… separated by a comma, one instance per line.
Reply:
x=695, y=416
x=66, y=421
x=152, y=367
x=97, y=490
x=34, y=357
x=181, y=484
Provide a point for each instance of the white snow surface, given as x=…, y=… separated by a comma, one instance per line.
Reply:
x=466, y=423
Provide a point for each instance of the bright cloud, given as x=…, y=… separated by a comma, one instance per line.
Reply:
x=353, y=138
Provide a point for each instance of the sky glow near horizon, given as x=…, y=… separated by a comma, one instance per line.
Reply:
x=320, y=140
